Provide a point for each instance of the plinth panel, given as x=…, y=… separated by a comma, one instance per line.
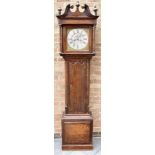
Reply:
x=77, y=131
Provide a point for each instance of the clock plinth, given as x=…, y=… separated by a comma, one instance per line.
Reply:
x=77, y=45
x=77, y=131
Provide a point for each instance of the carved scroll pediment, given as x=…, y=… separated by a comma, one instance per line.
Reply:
x=69, y=14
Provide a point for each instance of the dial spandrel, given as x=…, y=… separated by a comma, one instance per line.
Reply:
x=77, y=39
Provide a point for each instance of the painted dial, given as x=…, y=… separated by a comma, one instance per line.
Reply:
x=77, y=39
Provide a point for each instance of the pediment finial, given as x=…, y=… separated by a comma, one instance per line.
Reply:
x=95, y=10
x=59, y=11
x=77, y=5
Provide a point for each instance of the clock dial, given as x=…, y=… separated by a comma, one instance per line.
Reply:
x=77, y=39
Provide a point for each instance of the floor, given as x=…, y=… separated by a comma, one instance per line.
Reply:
x=95, y=151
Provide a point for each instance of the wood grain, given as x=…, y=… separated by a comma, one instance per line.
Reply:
x=77, y=130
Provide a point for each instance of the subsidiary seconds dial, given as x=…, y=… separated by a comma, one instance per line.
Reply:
x=77, y=39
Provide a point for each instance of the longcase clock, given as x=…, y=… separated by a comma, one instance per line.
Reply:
x=77, y=45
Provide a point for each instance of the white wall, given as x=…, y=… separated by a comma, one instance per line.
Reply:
x=26, y=73
x=129, y=77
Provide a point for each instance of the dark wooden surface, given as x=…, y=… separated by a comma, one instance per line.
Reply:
x=77, y=122
x=77, y=131
x=77, y=147
x=77, y=85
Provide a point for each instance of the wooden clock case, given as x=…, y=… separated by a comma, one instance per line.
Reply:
x=77, y=120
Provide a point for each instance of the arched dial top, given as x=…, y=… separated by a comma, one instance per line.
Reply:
x=77, y=39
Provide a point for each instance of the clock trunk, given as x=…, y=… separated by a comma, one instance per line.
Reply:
x=77, y=85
